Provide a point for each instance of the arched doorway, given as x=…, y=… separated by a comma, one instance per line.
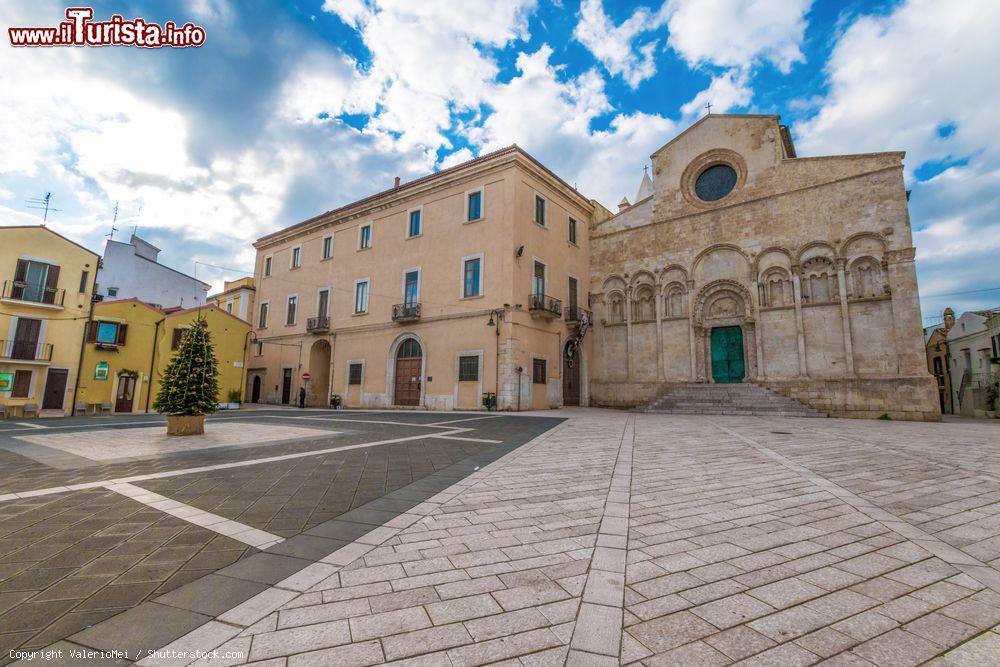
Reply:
x=255, y=391
x=318, y=386
x=723, y=322
x=409, y=360
x=571, y=372
x=728, y=365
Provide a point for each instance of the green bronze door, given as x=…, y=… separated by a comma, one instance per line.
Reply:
x=727, y=355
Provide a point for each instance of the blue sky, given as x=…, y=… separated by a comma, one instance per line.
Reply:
x=293, y=108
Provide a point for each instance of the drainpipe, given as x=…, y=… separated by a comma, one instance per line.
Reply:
x=152, y=360
x=83, y=345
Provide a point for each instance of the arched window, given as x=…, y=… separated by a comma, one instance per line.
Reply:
x=775, y=288
x=819, y=280
x=616, y=308
x=867, y=278
x=643, y=308
x=410, y=349
x=673, y=301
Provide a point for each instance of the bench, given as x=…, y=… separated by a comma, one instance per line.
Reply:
x=29, y=407
x=80, y=409
x=105, y=408
x=3, y=411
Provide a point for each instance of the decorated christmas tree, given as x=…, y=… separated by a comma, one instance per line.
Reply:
x=190, y=385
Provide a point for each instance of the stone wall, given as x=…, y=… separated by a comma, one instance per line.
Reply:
x=898, y=398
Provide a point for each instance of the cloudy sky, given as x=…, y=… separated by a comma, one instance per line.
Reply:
x=293, y=108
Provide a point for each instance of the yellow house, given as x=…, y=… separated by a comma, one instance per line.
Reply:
x=236, y=298
x=130, y=343
x=48, y=281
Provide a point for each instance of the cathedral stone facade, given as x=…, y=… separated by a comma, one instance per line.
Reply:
x=741, y=262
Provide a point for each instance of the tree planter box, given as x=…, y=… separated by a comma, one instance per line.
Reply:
x=185, y=425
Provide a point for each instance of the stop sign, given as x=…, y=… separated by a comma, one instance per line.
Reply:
x=306, y=376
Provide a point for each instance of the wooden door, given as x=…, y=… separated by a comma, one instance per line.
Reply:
x=26, y=338
x=126, y=394
x=407, y=381
x=571, y=376
x=727, y=355
x=255, y=393
x=55, y=389
x=286, y=386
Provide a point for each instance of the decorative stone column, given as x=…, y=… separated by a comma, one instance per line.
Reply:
x=799, y=329
x=628, y=333
x=758, y=343
x=658, y=314
x=692, y=334
x=845, y=315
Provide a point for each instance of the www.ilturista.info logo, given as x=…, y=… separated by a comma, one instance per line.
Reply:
x=80, y=30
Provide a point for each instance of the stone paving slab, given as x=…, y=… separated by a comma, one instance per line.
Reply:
x=72, y=560
x=649, y=539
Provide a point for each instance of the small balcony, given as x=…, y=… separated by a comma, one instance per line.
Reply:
x=406, y=312
x=543, y=305
x=575, y=316
x=22, y=292
x=317, y=324
x=25, y=350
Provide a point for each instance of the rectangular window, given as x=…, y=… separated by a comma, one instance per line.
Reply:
x=259, y=349
x=293, y=304
x=112, y=292
x=267, y=266
x=354, y=373
x=468, y=369
x=540, y=210
x=475, y=206
x=572, y=230
x=471, y=271
x=323, y=303
x=573, y=289
x=996, y=346
x=327, y=247
x=175, y=339
x=365, y=237
x=296, y=257
x=538, y=371
x=411, y=288
x=35, y=282
x=84, y=277
x=538, y=279
x=107, y=333
x=415, y=221
x=22, y=384
x=229, y=307
x=361, y=297
x=262, y=320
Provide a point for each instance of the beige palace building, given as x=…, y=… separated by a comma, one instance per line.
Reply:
x=471, y=280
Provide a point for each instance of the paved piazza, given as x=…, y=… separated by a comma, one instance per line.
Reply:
x=580, y=537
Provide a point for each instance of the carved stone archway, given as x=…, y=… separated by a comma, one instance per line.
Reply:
x=723, y=303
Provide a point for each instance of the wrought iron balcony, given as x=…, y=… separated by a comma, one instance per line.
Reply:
x=406, y=312
x=25, y=350
x=576, y=315
x=317, y=324
x=544, y=306
x=17, y=290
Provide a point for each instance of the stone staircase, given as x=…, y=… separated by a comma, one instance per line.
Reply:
x=727, y=399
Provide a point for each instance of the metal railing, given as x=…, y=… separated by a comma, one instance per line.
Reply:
x=314, y=324
x=25, y=350
x=22, y=291
x=405, y=312
x=576, y=315
x=545, y=305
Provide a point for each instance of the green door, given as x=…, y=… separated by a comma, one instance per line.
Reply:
x=727, y=355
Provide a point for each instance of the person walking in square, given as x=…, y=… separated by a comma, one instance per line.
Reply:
x=302, y=397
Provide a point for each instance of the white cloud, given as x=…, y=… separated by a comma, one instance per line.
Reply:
x=729, y=89
x=613, y=45
x=895, y=82
x=735, y=33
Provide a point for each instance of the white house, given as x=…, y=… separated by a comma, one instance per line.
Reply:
x=971, y=352
x=131, y=270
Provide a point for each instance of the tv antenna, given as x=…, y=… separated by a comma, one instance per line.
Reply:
x=113, y=221
x=42, y=204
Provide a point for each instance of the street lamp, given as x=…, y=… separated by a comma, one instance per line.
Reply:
x=498, y=314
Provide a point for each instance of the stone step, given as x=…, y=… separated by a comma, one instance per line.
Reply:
x=731, y=399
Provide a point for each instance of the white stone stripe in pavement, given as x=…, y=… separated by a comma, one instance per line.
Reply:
x=217, y=524
x=220, y=466
x=453, y=437
x=29, y=425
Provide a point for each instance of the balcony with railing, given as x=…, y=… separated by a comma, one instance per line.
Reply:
x=406, y=312
x=25, y=350
x=543, y=305
x=575, y=315
x=317, y=324
x=22, y=292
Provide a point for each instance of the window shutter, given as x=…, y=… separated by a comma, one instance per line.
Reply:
x=50, y=284
x=122, y=329
x=176, y=342
x=92, y=328
x=21, y=273
x=22, y=384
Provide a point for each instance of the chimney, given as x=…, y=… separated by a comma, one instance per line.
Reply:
x=396, y=184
